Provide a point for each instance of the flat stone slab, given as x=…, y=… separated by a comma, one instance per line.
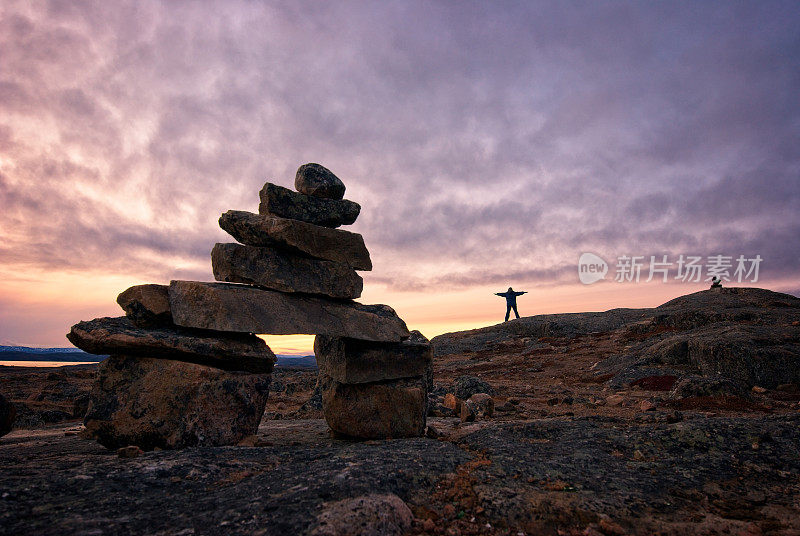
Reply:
x=284, y=271
x=380, y=410
x=314, y=240
x=279, y=201
x=227, y=351
x=239, y=308
x=146, y=305
x=170, y=404
x=356, y=361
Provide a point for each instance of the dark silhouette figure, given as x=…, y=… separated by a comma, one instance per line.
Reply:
x=716, y=282
x=511, y=300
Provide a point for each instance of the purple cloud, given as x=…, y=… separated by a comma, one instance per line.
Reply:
x=504, y=138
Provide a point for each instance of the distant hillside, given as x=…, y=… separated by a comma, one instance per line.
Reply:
x=24, y=353
x=304, y=362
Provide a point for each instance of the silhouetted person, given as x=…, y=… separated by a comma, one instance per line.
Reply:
x=716, y=282
x=511, y=300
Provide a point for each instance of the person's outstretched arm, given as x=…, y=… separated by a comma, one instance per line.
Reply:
x=521, y=293
x=499, y=294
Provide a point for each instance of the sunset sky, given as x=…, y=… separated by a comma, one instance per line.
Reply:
x=488, y=143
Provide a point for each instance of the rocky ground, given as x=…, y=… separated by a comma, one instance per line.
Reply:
x=681, y=419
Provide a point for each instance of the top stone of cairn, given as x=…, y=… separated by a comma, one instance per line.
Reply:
x=319, y=181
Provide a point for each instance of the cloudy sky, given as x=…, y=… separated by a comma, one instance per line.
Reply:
x=488, y=143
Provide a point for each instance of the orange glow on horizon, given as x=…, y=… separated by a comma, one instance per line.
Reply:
x=50, y=302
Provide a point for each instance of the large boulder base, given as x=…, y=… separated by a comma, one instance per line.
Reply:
x=146, y=305
x=170, y=404
x=7, y=415
x=280, y=201
x=319, y=181
x=379, y=410
x=284, y=271
x=245, y=309
x=356, y=361
x=314, y=240
x=227, y=351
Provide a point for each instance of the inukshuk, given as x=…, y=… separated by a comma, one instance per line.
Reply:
x=185, y=367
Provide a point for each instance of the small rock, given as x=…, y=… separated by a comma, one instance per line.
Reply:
x=646, y=405
x=452, y=403
x=319, y=181
x=638, y=455
x=433, y=432
x=131, y=451
x=482, y=404
x=614, y=400
x=466, y=386
x=249, y=441
x=428, y=525
x=788, y=388
x=609, y=528
x=757, y=389
x=467, y=413
x=449, y=510
x=674, y=416
x=367, y=515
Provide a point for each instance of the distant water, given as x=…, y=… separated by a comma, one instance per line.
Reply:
x=21, y=356
x=44, y=363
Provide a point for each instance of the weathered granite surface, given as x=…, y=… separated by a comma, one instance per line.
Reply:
x=284, y=271
x=228, y=351
x=239, y=308
x=314, y=240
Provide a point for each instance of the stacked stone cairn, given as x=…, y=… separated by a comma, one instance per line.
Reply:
x=186, y=367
